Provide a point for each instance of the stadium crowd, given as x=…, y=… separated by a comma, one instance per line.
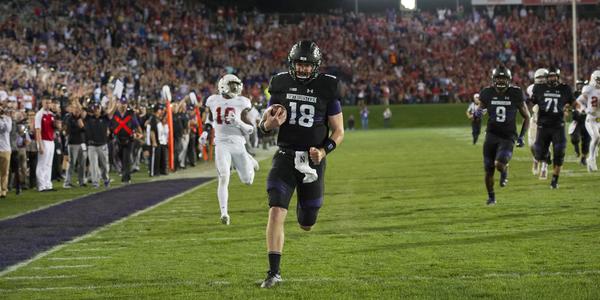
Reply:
x=70, y=53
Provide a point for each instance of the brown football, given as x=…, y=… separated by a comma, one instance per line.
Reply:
x=275, y=108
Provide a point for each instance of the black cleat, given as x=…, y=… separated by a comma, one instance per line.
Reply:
x=271, y=280
x=491, y=201
x=554, y=184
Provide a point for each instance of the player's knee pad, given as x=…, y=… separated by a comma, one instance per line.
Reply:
x=307, y=216
x=499, y=165
x=223, y=180
x=559, y=154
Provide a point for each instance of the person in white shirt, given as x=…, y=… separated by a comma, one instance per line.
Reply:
x=5, y=150
x=475, y=120
x=163, y=144
x=537, y=168
x=588, y=102
x=44, y=129
x=227, y=114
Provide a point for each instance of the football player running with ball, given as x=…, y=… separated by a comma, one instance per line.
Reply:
x=553, y=99
x=227, y=114
x=305, y=107
x=502, y=102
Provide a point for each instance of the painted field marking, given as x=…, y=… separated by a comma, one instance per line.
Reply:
x=63, y=267
x=37, y=277
x=101, y=229
x=79, y=258
x=95, y=249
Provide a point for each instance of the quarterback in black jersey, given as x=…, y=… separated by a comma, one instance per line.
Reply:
x=502, y=102
x=553, y=99
x=305, y=107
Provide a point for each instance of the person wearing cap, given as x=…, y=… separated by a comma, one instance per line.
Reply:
x=97, y=126
x=44, y=136
x=77, y=148
x=125, y=127
x=5, y=150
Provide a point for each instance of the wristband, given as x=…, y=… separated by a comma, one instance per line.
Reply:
x=329, y=145
x=262, y=128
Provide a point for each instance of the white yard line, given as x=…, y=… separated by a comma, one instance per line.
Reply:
x=96, y=287
x=63, y=267
x=95, y=249
x=37, y=277
x=95, y=232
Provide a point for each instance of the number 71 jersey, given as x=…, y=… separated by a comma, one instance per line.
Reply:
x=502, y=110
x=308, y=108
x=551, y=101
x=220, y=107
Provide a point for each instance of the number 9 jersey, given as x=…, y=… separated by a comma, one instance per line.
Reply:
x=502, y=109
x=308, y=108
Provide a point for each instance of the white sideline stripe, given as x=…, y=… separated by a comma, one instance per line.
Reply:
x=94, y=249
x=93, y=233
x=63, y=267
x=79, y=258
x=37, y=277
x=95, y=287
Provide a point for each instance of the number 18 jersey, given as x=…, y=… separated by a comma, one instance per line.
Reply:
x=308, y=107
x=220, y=107
x=502, y=110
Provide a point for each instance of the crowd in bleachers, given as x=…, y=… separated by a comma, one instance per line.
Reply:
x=71, y=52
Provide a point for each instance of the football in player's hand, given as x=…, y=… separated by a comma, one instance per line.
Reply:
x=275, y=108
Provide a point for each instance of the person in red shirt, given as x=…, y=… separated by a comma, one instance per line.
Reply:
x=44, y=136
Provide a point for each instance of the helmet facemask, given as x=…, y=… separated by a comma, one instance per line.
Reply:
x=230, y=86
x=501, y=82
x=552, y=79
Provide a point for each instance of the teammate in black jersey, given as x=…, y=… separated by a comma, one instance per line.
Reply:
x=579, y=134
x=305, y=107
x=554, y=99
x=502, y=102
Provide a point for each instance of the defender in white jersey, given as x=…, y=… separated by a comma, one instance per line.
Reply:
x=588, y=102
x=537, y=168
x=227, y=115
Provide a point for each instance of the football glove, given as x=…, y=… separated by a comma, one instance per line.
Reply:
x=520, y=142
x=203, y=138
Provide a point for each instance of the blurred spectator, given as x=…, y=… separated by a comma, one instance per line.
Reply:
x=44, y=128
x=364, y=117
x=387, y=117
x=5, y=150
x=96, y=131
x=351, y=122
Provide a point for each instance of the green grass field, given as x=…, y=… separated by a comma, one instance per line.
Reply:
x=404, y=217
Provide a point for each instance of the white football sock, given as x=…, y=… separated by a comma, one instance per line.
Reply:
x=223, y=194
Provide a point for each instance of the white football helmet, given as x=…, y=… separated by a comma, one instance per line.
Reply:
x=540, y=75
x=230, y=85
x=595, y=79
